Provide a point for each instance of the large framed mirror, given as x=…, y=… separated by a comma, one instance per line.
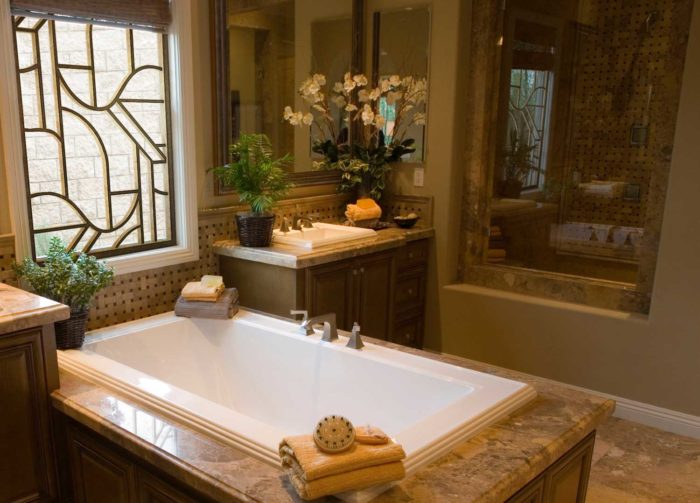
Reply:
x=263, y=50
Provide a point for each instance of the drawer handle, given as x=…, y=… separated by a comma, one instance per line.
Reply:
x=410, y=254
x=408, y=336
x=354, y=272
x=410, y=291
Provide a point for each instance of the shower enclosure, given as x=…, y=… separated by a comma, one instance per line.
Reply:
x=575, y=168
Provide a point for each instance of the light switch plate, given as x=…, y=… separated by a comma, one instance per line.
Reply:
x=418, y=175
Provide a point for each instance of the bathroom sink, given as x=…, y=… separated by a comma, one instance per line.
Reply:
x=321, y=235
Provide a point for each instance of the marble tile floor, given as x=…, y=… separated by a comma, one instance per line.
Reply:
x=633, y=463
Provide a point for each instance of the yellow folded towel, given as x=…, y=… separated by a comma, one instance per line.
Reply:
x=314, y=473
x=212, y=280
x=194, y=290
x=364, y=209
x=496, y=253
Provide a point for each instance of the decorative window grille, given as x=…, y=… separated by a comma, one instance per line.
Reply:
x=528, y=115
x=96, y=127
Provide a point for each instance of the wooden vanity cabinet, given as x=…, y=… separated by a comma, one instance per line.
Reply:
x=102, y=472
x=357, y=290
x=384, y=291
x=28, y=373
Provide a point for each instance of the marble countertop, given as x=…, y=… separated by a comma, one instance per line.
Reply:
x=299, y=258
x=488, y=468
x=20, y=309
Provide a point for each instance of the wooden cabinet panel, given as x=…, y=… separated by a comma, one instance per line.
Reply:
x=330, y=289
x=151, y=489
x=99, y=476
x=413, y=254
x=565, y=481
x=410, y=291
x=408, y=332
x=376, y=292
x=26, y=465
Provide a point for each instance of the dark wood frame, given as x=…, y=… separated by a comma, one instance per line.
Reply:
x=221, y=101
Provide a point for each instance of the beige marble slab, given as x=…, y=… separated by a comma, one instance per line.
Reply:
x=488, y=468
x=299, y=258
x=20, y=309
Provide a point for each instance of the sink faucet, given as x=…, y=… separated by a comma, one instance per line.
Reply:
x=611, y=234
x=330, y=328
x=307, y=222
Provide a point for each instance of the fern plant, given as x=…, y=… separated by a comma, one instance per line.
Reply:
x=259, y=179
x=66, y=277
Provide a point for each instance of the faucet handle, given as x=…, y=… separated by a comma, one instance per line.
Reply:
x=296, y=312
x=355, y=341
x=284, y=227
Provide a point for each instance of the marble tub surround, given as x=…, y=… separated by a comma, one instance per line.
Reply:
x=20, y=309
x=299, y=258
x=489, y=467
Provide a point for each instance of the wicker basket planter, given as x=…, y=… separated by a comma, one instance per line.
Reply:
x=255, y=229
x=70, y=333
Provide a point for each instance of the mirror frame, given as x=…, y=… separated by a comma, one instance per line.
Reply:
x=221, y=100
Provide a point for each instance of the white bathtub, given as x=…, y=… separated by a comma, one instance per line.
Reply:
x=252, y=380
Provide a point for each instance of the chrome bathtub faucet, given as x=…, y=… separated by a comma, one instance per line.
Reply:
x=330, y=328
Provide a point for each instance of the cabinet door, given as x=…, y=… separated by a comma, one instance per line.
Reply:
x=329, y=289
x=26, y=463
x=152, y=489
x=99, y=474
x=375, y=295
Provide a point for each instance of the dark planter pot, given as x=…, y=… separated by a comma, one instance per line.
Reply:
x=70, y=333
x=512, y=189
x=255, y=229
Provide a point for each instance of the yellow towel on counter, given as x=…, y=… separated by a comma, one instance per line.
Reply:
x=496, y=253
x=314, y=473
x=364, y=209
x=212, y=280
x=194, y=290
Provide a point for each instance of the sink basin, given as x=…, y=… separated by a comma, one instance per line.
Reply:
x=321, y=235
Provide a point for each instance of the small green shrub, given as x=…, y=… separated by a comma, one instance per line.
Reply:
x=66, y=277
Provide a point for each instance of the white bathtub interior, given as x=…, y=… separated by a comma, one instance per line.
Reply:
x=254, y=379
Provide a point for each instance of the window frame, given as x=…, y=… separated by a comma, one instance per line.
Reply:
x=182, y=148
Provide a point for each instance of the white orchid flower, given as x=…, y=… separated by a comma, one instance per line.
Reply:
x=360, y=80
x=339, y=100
x=288, y=113
x=308, y=118
x=349, y=85
x=419, y=119
x=395, y=80
x=384, y=85
x=363, y=95
x=338, y=87
x=319, y=78
x=350, y=107
x=375, y=94
x=367, y=115
x=319, y=108
x=393, y=96
x=379, y=121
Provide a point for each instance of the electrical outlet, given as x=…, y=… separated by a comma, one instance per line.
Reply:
x=418, y=175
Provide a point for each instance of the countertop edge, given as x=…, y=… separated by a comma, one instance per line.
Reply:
x=28, y=310
x=167, y=463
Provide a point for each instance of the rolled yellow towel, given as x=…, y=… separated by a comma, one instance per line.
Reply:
x=314, y=473
x=194, y=290
x=364, y=209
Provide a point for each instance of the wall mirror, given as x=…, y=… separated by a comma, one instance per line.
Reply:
x=401, y=46
x=263, y=50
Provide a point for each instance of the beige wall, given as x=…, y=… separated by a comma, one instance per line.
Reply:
x=654, y=360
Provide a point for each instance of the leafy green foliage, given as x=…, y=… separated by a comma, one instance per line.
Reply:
x=258, y=178
x=518, y=159
x=66, y=277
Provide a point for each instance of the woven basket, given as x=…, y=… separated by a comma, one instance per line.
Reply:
x=255, y=230
x=70, y=333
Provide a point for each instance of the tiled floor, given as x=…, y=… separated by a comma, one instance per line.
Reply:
x=633, y=463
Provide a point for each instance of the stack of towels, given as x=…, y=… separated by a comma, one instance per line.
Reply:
x=315, y=473
x=207, y=298
x=365, y=210
x=496, y=253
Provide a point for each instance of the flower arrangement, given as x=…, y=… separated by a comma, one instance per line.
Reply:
x=364, y=163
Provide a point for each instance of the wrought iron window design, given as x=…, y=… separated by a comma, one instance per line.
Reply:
x=528, y=115
x=96, y=128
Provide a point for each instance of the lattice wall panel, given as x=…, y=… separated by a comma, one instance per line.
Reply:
x=628, y=71
x=7, y=258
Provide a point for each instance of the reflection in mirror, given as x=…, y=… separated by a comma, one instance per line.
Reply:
x=273, y=45
x=401, y=46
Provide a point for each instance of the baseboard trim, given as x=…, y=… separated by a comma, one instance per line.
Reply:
x=651, y=415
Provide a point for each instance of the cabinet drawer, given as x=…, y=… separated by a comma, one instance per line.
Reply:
x=410, y=291
x=408, y=332
x=413, y=254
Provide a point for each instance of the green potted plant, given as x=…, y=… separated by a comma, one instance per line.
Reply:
x=72, y=279
x=518, y=165
x=260, y=182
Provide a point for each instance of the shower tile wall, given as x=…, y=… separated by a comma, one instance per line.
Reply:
x=628, y=69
